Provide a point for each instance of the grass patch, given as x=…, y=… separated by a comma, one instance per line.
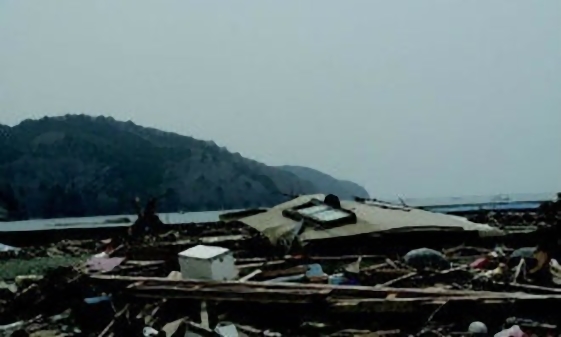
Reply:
x=11, y=268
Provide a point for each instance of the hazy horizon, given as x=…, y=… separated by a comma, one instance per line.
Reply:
x=416, y=99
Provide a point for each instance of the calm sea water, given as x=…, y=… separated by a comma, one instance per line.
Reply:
x=212, y=216
x=86, y=222
x=480, y=199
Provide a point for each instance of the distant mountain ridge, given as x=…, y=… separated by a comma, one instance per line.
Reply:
x=78, y=165
x=344, y=189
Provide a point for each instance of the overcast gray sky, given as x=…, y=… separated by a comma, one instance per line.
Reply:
x=412, y=98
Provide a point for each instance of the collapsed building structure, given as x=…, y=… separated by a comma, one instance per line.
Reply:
x=319, y=217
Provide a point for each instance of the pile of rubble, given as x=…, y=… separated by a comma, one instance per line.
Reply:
x=311, y=267
x=548, y=214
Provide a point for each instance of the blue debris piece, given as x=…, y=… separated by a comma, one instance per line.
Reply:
x=99, y=299
x=314, y=270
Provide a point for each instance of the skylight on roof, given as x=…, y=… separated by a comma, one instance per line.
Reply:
x=313, y=209
x=323, y=213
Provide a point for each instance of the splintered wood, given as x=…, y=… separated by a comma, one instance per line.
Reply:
x=338, y=298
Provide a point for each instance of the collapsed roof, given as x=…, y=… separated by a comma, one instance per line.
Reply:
x=317, y=217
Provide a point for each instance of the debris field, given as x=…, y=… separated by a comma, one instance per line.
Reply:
x=314, y=266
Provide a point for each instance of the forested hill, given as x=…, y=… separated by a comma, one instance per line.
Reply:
x=79, y=165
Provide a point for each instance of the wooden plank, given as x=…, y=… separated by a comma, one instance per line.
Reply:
x=249, y=276
x=316, y=258
x=110, y=325
x=374, y=267
x=116, y=281
x=204, y=316
x=397, y=280
x=260, y=264
x=530, y=288
x=411, y=305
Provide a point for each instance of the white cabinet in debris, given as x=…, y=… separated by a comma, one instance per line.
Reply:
x=208, y=263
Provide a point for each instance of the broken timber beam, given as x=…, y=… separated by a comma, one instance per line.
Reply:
x=316, y=258
x=525, y=302
x=235, y=290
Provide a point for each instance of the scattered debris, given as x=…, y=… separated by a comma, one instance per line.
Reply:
x=513, y=331
x=425, y=258
x=286, y=272
x=477, y=328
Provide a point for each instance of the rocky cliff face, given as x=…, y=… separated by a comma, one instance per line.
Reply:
x=79, y=165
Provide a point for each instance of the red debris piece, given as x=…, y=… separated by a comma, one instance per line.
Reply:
x=480, y=263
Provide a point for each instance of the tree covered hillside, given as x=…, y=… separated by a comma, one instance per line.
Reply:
x=79, y=165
